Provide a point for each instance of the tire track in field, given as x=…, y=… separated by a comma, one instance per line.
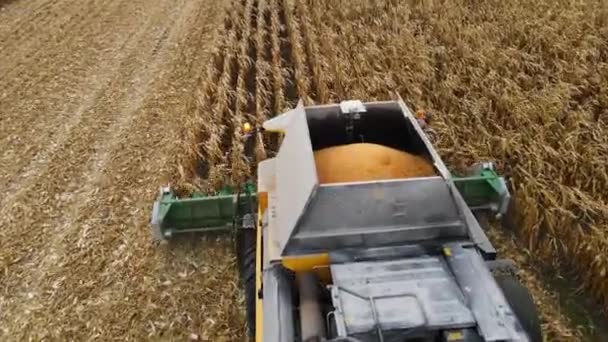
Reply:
x=58, y=104
x=50, y=73
x=82, y=285
x=21, y=48
x=50, y=70
x=49, y=262
x=129, y=238
x=12, y=17
x=53, y=190
x=30, y=20
x=204, y=273
x=58, y=31
x=106, y=66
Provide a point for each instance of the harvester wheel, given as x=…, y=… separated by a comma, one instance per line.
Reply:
x=523, y=306
x=245, y=251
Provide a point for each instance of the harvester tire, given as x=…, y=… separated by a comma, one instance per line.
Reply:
x=245, y=251
x=523, y=306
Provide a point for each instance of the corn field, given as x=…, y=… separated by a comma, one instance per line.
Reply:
x=521, y=83
x=102, y=102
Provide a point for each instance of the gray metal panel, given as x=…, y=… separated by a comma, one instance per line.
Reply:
x=296, y=175
x=496, y=320
x=397, y=295
x=475, y=230
x=443, y=170
x=356, y=219
x=345, y=255
x=373, y=214
x=278, y=312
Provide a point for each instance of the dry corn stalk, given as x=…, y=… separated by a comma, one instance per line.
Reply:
x=520, y=83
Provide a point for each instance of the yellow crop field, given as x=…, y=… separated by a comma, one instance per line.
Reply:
x=103, y=102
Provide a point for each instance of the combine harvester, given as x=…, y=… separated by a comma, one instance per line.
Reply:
x=388, y=257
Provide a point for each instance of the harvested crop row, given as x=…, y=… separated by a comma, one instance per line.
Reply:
x=203, y=141
x=298, y=56
x=261, y=57
x=320, y=91
x=263, y=86
x=277, y=62
x=245, y=96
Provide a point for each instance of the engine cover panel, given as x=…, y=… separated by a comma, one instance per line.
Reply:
x=396, y=295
